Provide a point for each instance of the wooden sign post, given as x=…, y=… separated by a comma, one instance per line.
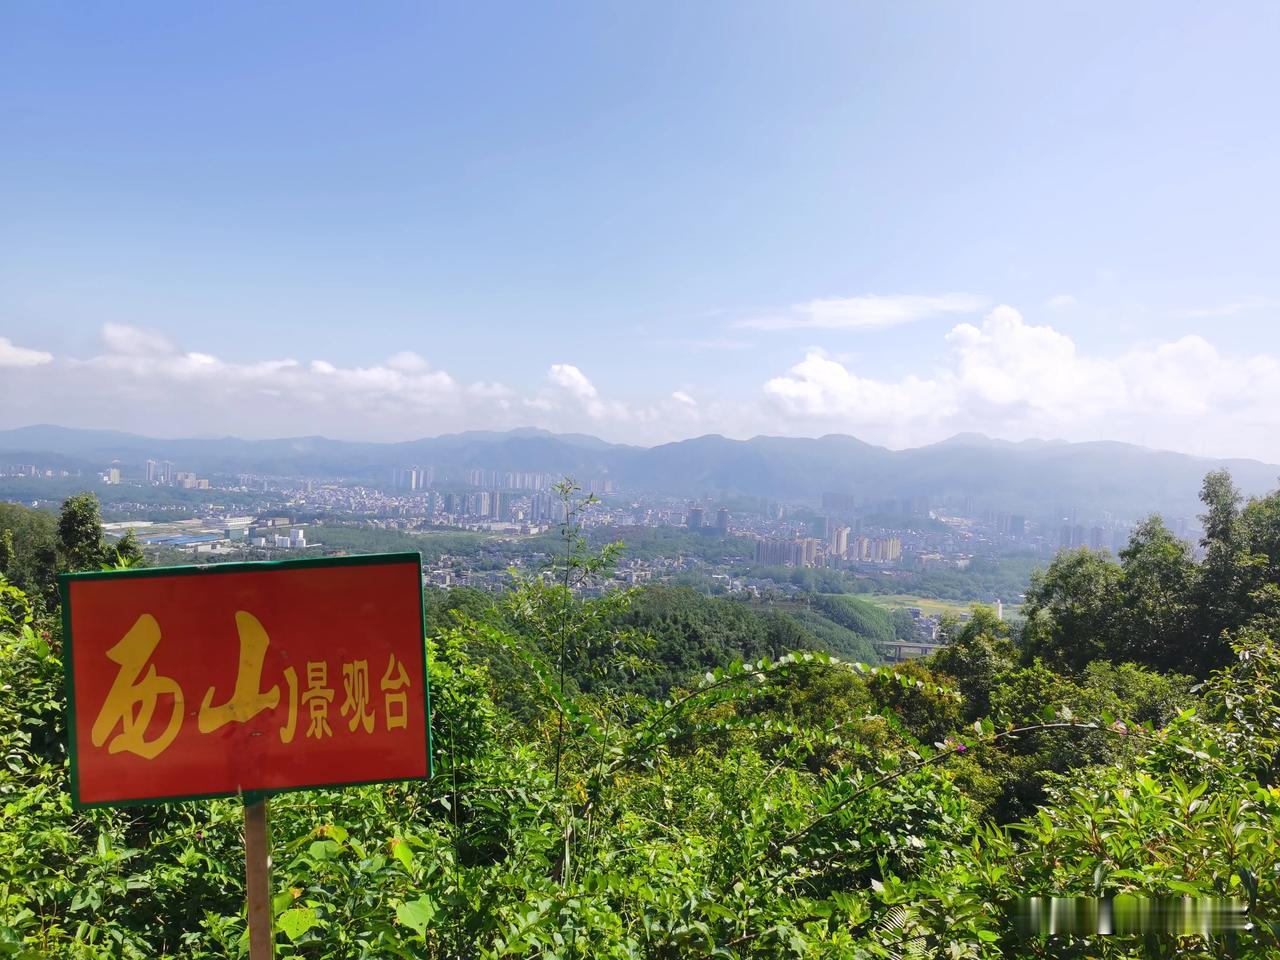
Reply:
x=257, y=875
x=243, y=680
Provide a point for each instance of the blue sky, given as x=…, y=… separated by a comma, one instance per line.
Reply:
x=648, y=221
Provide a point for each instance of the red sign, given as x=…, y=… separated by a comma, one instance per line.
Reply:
x=242, y=678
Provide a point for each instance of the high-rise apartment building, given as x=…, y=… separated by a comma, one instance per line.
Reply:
x=875, y=550
x=412, y=478
x=892, y=550
x=787, y=553
x=838, y=543
x=722, y=520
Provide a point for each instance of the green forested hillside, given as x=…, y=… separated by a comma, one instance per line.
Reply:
x=683, y=633
x=985, y=579
x=690, y=790
x=692, y=633
x=28, y=548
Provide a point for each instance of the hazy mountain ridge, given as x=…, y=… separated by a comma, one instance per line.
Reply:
x=1027, y=475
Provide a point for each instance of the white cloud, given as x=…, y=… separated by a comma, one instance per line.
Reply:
x=151, y=385
x=144, y=382
x=584, y=396
x=407, y=361
x=119, y=338
x=575, y=394
x=866, y=312
x=1001, y=375
x=820, y=387
x=12, y=355
x=1010, y=365
x=570, y=378
x=1014, y=379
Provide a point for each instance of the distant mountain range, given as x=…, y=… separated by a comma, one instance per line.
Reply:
x=1035, y=477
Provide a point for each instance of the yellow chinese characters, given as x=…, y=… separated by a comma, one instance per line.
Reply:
x=392, y=684
x=355, y=680
x=132, y=702
x=318, y=697
x=125, y=718
x=247, y=701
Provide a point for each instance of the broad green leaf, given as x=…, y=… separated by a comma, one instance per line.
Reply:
x=295, y=922
x=400, y=850
x=417, y=914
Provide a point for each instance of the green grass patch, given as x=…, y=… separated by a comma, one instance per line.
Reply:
x=931, y=606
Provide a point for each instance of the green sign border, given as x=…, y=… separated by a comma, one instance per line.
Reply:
x=212, y=570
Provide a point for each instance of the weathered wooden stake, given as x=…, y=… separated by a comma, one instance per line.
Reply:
x=257, y=872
